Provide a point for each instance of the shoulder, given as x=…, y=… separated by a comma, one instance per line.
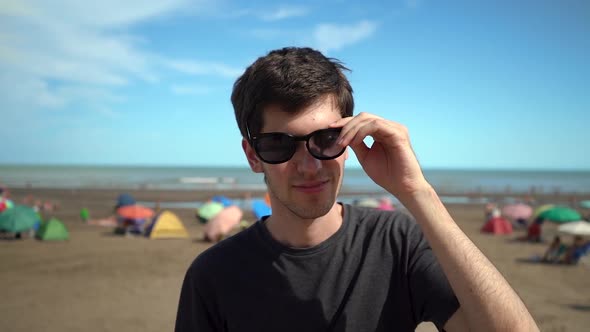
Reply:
x=396, y=230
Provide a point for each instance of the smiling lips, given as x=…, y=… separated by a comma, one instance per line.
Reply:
x=311, y=187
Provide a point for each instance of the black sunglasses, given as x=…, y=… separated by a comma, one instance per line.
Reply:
x=277, y=148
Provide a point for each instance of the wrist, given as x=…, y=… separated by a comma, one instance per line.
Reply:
x=421, y=193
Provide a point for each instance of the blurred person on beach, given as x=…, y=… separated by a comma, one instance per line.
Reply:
x=555, y=251
x=318, y=265
x=534, y=232
x=578, y=248
x=489, y=210
x=3, y=192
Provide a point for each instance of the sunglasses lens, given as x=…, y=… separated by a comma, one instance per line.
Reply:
x=275, y=148
x=322, y=144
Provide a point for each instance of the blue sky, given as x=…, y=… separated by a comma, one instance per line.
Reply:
x=479, y=84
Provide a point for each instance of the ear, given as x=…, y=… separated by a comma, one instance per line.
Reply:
x=255, y=163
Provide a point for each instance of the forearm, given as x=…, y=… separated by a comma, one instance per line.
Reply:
x=487, y=300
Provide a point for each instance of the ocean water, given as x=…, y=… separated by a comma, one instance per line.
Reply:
x=243, y=179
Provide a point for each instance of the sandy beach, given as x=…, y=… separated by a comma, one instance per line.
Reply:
x=97, y=281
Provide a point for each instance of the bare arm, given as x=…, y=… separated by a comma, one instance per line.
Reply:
x=488, y=303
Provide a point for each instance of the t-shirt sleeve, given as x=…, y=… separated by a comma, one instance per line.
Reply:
x=193, y=314
x=433, y=299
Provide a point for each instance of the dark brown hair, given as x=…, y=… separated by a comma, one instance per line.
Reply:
x=292, y=77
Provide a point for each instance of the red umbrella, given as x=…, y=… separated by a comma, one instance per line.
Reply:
x=517, y=211
x=135, y=212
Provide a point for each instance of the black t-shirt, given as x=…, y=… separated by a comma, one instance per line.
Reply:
x=376, y=273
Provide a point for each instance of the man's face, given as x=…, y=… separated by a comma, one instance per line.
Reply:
x=303, y=186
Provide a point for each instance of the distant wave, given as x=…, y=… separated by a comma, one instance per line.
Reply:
x=207, y=180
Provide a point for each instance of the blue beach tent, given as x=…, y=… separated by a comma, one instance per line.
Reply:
x=223, y=200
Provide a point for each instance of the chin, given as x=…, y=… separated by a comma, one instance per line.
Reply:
x=312, y=211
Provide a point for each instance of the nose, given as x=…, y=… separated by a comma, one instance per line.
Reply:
x=306, y=163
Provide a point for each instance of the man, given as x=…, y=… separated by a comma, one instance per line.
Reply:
x=317, y=265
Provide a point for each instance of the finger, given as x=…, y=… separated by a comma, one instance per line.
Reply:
x=369, y=127
x=350, y=131
x=344, y=121
x=341, y=122
x=386, y=132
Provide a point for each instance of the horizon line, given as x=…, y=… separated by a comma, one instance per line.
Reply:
x=434, y=168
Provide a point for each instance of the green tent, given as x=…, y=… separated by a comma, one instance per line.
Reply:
x=18, y=219
x=53, y=230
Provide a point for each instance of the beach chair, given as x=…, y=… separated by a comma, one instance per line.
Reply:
x=581, y=253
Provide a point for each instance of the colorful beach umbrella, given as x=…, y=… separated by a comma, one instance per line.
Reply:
x=542, y=209
x=223, y=200
x=585, y=204
x=517, y=211
x=580, y=227
x=560, y=215
x=5, y=204
x=209, y=210
x=135, y=212
x=125, y=200
x=385, y=204
x=367, y=202
x=18, y=219
x=223, y=223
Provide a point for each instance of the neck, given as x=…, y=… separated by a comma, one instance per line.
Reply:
x=296, y=232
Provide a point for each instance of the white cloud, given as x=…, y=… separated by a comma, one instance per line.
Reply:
x=193, y=67
x=329, y=37
x=183, y=90
x=413, y=4
x=100, y=14
x=278, y=14
x=21, y=93
x=284, y=13
x=60, y=52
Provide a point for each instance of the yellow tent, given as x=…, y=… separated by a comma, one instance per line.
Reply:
x=166, y=225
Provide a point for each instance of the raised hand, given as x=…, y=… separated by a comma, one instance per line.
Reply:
x=390, y=161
